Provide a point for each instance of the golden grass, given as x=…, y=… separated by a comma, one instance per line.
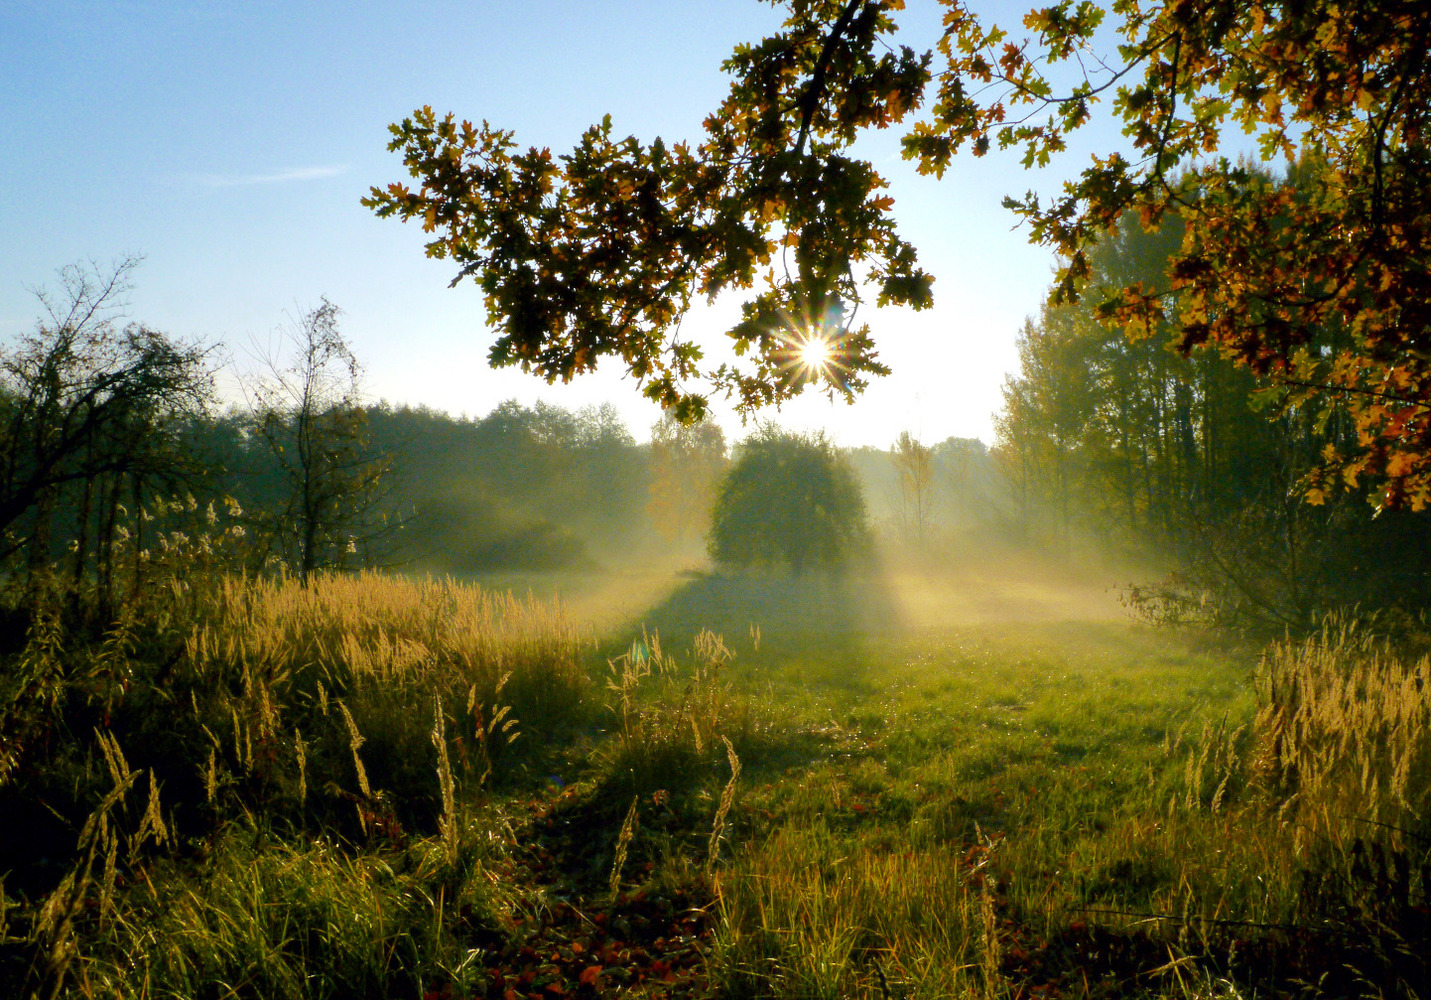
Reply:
x=671, y=717
x=966, y=794
x=1344, y=733
x=292, y=704
x=351, y=631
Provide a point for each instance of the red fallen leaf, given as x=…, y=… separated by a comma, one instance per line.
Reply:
x=555, y=989
x=589, y=975
x=577, y=947
x=511, y=994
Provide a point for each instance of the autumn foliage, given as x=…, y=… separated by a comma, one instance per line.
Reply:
x=601, y=251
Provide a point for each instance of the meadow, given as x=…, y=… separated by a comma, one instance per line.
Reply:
x=893, y=783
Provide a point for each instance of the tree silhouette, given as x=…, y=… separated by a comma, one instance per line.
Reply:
x=309, y=415
x=91, y=411
x=602, y=251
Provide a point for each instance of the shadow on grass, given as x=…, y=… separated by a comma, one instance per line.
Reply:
x=829, y=609
x=827, y=602
x=821, y=643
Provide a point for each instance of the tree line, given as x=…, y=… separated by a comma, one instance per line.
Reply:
x=119, y=465
x=1109, y=430
x=118, y=460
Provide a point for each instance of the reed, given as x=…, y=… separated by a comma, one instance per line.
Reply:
x=348, y=632
x=727, y=798
x=448, y=824
x=623, y=842
x=671, y=715
x=260, y=705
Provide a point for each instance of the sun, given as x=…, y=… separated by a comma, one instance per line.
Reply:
x=815, y=353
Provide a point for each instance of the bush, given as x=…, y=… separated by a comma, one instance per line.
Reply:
x=789, y=498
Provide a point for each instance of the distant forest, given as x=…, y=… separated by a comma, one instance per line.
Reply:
x=548, y=488
x=116, y=460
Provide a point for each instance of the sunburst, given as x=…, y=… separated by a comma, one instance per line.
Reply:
x=816, y=353
x=811, y=348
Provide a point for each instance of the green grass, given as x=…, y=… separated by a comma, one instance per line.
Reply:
x=867, y=786
x=1029, y=766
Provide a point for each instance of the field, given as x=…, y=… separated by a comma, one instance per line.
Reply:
x=890, y=784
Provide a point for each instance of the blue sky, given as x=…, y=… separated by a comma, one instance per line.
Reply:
x=230, y=144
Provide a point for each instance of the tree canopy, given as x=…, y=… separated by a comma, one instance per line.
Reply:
x=602, y=251
x=93, y=412
x=791, y=499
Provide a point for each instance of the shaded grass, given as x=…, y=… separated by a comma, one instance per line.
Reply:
x=273, y=919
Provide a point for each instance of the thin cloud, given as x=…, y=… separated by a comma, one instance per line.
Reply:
x=281, y=177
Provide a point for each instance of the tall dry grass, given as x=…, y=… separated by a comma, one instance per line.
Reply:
x=303, y=689
x=671, y=717
x=350, y=631
x=335, y=723
x=1344, y=733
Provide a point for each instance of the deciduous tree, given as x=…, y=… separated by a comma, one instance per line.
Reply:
x=90, y=413
x=309, y=415
x=1122, y=440
x=687, y=462
x=914, y=464
x=601, y=251
x=791, y=499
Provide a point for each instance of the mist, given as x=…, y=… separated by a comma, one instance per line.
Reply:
x=661, y=671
